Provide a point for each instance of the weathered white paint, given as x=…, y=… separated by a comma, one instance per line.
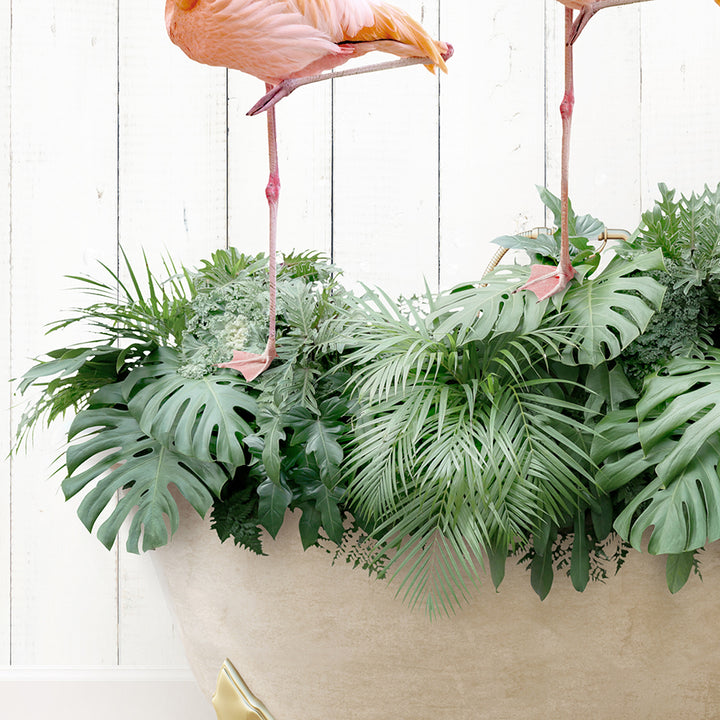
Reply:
x=117, y=137
x=491, y=122
x=680, y=97
x=64, y=79
x=5, y=330
x=385, y=227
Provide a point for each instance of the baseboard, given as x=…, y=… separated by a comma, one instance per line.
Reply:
x=114, y=693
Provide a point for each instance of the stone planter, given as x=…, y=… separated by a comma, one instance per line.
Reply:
x=320, y=642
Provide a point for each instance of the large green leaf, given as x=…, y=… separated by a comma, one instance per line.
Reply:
x=319, y=436
x=582, y=229
x=67, y=361
x=543, y=244
x=113, y=453
x=309, y=526
x=497, y=559
x=580, y=558
x=274, y=501
x=541, y=565
x=494, y=306
x=272, y=432
x=611, y=309
x=610, y=386
x=677, y=570
x=326, y=501
x=685, y=513
x=684, y=398
x=679, y=433
x=199, y=417
x=617, y=451
x=71, y=377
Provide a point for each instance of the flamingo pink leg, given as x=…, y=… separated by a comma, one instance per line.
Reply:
x=252, y=364
x=590, y=9
x=545, y=281
x=285, y=87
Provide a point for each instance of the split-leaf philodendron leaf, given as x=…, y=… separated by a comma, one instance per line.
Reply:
x=611, y=309
x=199, y=417
x=113, y=453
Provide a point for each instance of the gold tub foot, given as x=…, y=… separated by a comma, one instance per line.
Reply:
x=233, y=699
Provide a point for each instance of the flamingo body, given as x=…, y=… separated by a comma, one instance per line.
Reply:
x=276, y=40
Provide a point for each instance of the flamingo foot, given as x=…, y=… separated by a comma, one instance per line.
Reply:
x=546, y=281
x=274, y=96
x=252, y=364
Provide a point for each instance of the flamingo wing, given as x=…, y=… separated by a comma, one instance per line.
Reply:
x=336, y=17
x=280, y=39
x=270, y=39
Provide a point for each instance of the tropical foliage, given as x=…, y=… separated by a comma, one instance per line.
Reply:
x=476, y=421
x=153, y=410
x=426, y=439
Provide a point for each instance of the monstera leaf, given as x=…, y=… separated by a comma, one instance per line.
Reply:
x=494, y=306
x=617, y=451
x=685, y=397
x=684, y=514
x=611, y=309
x=115, y=454
x=197, y=417
x=676, y=433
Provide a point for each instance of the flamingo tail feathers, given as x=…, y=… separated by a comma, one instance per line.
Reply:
x=400, y=35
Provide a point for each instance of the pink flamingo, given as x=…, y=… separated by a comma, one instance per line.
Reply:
x=547, y=281
x=289, y=43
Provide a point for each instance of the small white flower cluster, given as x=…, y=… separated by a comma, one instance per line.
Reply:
x=235, y=333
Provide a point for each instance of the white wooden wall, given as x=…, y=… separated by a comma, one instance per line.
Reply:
x=108, y=135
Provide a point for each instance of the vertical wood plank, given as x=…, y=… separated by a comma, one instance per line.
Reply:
x=491, y=130
x=63, y=219
x=5, y=331
x=680, y=97
x=172, y=201
x=172, y=144
x=605, y=149
x=248, y=166
x=385, y=172
x=304, y=155
x=147, y=632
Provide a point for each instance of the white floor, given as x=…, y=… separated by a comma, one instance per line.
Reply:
x=101, y=694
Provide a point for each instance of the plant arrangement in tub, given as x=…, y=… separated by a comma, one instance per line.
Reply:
x=454, y=430
x=154, y=410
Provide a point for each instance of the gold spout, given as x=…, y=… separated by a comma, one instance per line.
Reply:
x=233, y=699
